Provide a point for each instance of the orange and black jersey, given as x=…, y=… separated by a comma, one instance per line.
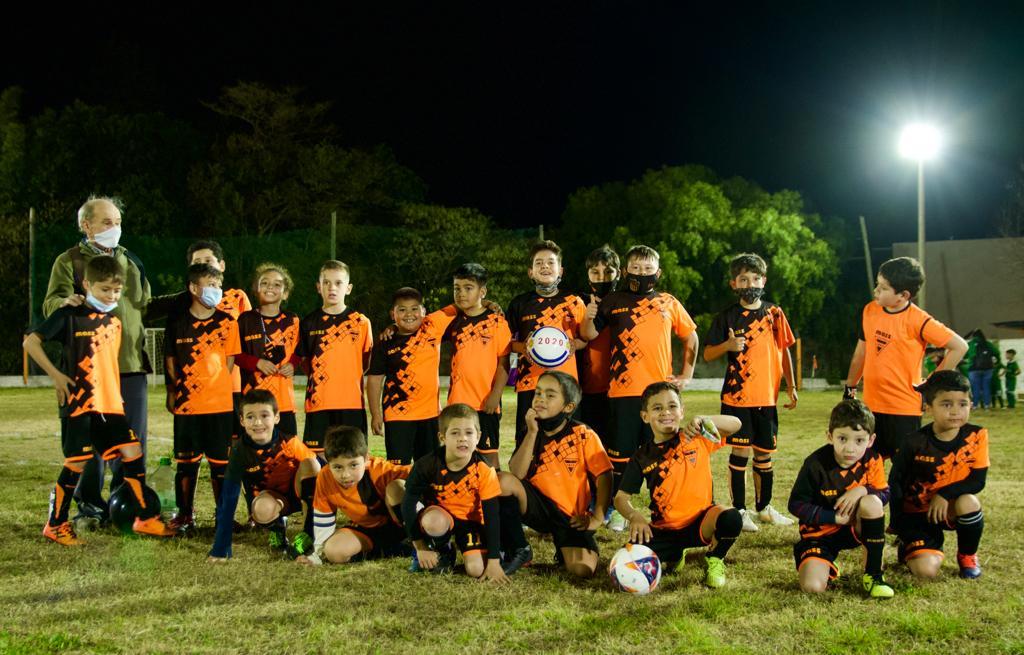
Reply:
x=91, y=340
x=529, y=311
x=563, y=464
x=641, y=328
x=409, y=363
x=925, y=466
x=894, y=345
x=820, y=483
x=363, y=503
x=273, y=338
x=479, y=342
x=752, y=376
x=335, y=347
x=678, y=476
x=595, y=363
x=270, y=466
x=200, y=349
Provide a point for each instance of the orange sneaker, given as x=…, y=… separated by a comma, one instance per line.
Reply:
x=63, y=534
x=153, y=527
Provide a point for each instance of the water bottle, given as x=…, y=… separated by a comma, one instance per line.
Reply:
x=162, y=482
x=709, y=431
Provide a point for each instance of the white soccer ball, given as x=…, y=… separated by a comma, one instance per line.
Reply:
x=548, y=347
x=635, y=569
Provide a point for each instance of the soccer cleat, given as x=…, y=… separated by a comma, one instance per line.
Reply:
x=63, y=534
x=748, y=523
x=183, y=524
x=445, y=561
x=302, y=544
x=715, y=576
x=970, y=569
x=617, y=522
x=414, y=565
x=770, y=515
x=522, y=557
x=153, y=527
x=877, y=587
x=277, y=540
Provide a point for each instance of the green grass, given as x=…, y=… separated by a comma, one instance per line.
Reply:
x=136, y=595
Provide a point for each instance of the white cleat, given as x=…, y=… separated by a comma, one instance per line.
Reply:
x=770, y=515
x=748, y=523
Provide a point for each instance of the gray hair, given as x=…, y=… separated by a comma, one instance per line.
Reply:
x=85, y=212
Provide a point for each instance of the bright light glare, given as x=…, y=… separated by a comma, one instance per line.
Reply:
x=920, y=142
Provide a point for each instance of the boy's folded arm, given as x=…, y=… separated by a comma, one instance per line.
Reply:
x=972, y=484
x=811, y=514
x=246, y=361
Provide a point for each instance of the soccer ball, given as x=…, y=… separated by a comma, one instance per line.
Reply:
x=635, y=569
x=124, y=509
x=548, y=346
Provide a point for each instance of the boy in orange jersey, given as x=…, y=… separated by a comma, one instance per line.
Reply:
x=936, y=477
x=453, y=493
x=546, y=305
x=756, y=336
x=277, y=472
x=641, y=322
x=89, y=397
x=676, y=465
x=200, y=348
x=595, y=362
x=368, y=490
x=335, y=343
x=403, y=380
x=894, y=334
x=269, y=337
x=548, y=486
x=481, y=342
x=839, y=496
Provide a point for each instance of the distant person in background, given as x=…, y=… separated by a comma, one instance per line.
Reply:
x=980, y=372
x=1011, y=372
x=99, y=220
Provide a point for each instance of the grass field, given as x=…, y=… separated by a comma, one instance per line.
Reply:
x=137, y=595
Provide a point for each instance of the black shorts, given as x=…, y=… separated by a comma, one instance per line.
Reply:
x=292, y=503
x=669, y=544
x=759, y=429
x=468, y=535
x=891, y=430
x=626, y=430
x=490, y=429
x=407, y=441
x=236, y=415
x=388, y=540
x=196, y=435
x=288, y=424
x=94, y=433
x=318, y=422
x=544, y=516
x=919, y=537
x=826, y=548
x=594, y=412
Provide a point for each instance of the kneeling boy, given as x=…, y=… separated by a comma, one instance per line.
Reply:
x=277, y=470
x=839, y=496
x=677, y=468
x=936, y=477
x=368, y=490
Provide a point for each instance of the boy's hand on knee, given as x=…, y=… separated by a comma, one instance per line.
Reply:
x=938, y=509
x=847, y=503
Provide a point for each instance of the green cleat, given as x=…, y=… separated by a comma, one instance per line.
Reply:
x=715, y=576
x=278, y=541
x=877, y=587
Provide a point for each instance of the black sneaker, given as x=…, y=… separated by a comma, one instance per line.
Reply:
x=520, y=558
x=93, y=515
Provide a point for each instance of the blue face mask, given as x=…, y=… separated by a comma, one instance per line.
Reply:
x=210, y=297
x=98, y=304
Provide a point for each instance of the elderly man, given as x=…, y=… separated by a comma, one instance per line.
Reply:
x=99, y=219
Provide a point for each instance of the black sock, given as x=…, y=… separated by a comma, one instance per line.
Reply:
x=727, y=528
x=306, y=488
x=968, y=532
x=135, y=477
x=738, y=480
x=64, y=491
x=512, y=536
x=185, y=477
x=763, y=479
x=872, y=534
x=217, y=472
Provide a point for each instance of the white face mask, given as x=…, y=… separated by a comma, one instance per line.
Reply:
x=99, y=304
x=108, y=238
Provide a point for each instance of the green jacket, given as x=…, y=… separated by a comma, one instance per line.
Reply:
x=129, y=309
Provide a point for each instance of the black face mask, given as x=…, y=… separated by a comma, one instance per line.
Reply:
x=552, y=423
x=642, y=284
x=602, y=289
x=750, y=295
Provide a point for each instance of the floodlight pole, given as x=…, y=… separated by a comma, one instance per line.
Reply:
x=920, y=224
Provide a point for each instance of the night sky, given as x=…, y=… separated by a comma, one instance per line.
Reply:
x=512, y=107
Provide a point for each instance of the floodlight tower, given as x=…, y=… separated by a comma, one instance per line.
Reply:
x=920, y=142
